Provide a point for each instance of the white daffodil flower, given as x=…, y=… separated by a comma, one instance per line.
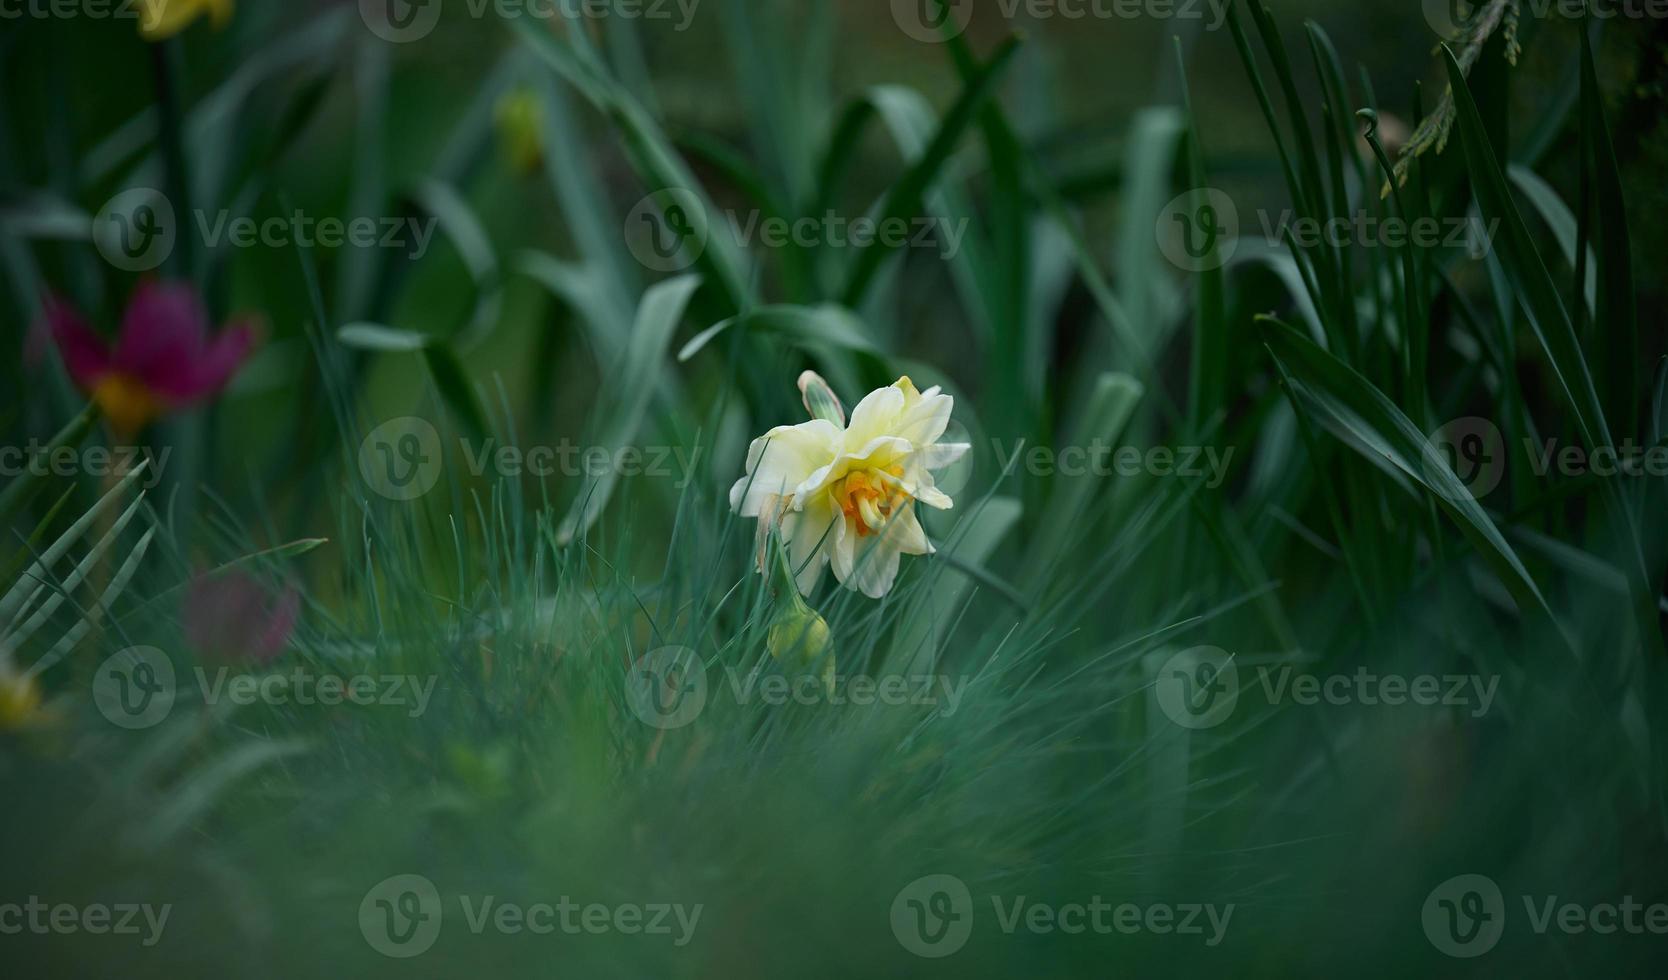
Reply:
x=844, y=494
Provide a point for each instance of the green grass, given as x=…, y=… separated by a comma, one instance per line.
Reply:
x=1047, y=763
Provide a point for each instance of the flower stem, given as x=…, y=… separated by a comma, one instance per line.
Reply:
x=165, y=73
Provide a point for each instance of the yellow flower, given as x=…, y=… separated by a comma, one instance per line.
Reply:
x=20, y=698
x=520, y=131
x=162, y=19
x=845, y=494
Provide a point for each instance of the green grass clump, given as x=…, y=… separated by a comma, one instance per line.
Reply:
x=580, y=689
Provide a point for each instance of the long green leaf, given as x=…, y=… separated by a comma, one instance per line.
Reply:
x=1346, y=403
x=904, y=201
x=1532, y=284
x=1616, y=310
x=636, y=381
x=804, y=325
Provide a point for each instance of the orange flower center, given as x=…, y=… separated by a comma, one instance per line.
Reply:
x=126, y=402
x=869, y=497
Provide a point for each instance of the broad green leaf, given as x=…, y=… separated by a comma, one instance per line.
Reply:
x=1559, y=220
x=909, y=119
x=803, y=325
x=721, y=262
x=1209, y=380
x=381, y=338
x=1616, y=311
x=1146, y=279
x=905, y=199
x=634, y=384
x=581, y=289
x=463, y=228
x=1538, y=298
x=1339, y=398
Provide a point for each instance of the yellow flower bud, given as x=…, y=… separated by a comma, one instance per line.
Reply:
x=520, y=130
x=20, y=698
x=162, y=19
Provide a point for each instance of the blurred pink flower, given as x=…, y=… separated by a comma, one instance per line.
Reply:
x=163, y=359
x=232, y=617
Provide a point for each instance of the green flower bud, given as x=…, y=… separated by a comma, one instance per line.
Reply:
x=800, y=641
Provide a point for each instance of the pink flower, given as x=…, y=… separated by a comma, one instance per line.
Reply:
x=233, y=617
x=163, y=360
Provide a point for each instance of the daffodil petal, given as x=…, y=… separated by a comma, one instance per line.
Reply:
x=941, y=454
x=781, y=460
x=934, y=498
x=879, y=452
x=924, y=420
x=807, y=532
x=905, y=533
x=875, y=416
x=876, y=569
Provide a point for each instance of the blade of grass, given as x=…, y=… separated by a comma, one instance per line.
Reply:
x=22, y=488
